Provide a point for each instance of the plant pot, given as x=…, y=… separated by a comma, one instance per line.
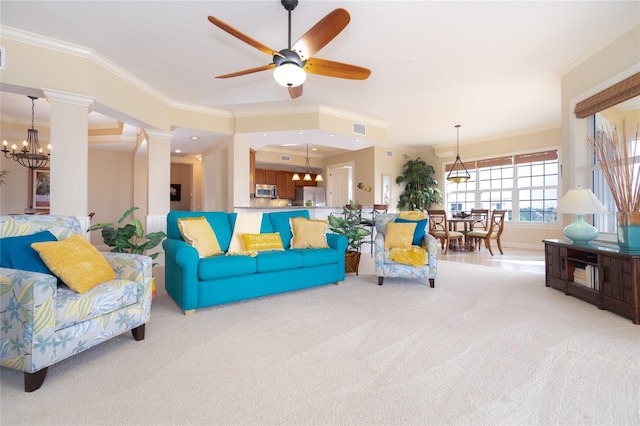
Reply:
x=629, y=230
x=351, y=262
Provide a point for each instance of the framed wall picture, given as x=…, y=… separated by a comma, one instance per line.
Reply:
x=174, y=192
x=386, y=189
x=41, y=189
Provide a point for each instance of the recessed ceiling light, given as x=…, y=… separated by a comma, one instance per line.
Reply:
x=314, y=149
x=194, y=138
x=178, y=151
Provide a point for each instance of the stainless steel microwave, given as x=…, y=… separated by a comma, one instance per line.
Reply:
x=266, y=191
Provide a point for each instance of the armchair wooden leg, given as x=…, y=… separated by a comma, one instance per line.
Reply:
x=499, y=246
x=380, y=280
x=432, y=282
x=138, y=332
x=33, y=381
x=488, y=244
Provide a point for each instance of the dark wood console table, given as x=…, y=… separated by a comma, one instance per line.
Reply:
x=598, y=273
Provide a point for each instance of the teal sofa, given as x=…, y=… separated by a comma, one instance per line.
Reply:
x=196, y=283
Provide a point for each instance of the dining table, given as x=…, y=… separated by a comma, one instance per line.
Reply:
x=467, y=222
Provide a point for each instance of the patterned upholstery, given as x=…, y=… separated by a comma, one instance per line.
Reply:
x=42, y=323
x=385, y=267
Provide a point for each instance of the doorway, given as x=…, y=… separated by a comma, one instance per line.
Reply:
x=180, y=191
x=340, y=184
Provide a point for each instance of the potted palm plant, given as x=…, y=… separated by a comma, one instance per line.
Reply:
x=349, y=225
x=421, y=189
x=130, y=237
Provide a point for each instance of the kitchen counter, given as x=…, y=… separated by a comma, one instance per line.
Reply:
x=315, y=212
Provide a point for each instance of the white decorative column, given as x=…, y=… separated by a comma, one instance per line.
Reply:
x=239, y=170
x=158, y=182
x=69, y=165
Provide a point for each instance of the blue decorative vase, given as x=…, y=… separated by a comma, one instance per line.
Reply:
x=629, y=230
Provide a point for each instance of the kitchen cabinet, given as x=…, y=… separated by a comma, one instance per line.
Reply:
x=270, y=177
x=261, y=178
x=286, y=187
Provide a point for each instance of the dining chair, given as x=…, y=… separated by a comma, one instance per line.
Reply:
x=439, y=228
x=371, y=223
x=493, y=231
x=479, y=221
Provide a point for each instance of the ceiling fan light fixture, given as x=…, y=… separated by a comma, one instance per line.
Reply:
x=289, y=75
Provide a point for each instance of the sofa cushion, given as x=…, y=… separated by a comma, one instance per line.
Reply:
x=76, y=262
x=72, y=307
x=412, y=215
x=217, y=267
x=279, y=261
x=17, y=253
x=219, y=222
x=198, y=233
x=317, y=257
x=308, y=233
x=280, y=223
x=418, y=234
x=399, y=235
x=262, y=242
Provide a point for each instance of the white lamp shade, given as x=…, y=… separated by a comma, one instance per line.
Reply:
x=289, y=75
x=580, y=201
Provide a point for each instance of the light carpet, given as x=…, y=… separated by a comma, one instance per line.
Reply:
x=485, y=346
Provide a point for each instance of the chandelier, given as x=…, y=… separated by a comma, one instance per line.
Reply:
x=307, y=170
x=458, y=172
x=31, y=155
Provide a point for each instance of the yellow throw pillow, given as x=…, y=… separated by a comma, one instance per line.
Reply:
x=399, y=235
x=76, y=262
x=197, y=232
x=412, y=215
x=308, y=233
x=262, y=242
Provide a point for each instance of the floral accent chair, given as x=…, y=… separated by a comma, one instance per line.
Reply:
x=43, y=322
x=385, y=267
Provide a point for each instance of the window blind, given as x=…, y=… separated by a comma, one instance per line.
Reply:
x=620, y=92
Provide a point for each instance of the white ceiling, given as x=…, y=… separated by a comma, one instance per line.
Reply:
x=493, y=67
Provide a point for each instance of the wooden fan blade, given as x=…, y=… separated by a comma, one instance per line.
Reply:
x=295, y=92
x=321, y=33
x=240, y=35
x=248, y=71
x=336, y=69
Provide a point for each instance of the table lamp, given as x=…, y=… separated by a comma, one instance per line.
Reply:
x=580, y=201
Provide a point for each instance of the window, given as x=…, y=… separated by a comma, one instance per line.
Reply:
x=525, y=185
x=606, y=223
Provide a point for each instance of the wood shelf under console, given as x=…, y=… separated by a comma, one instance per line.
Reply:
x=610, y=276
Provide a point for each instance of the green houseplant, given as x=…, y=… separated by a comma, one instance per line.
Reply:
x=421, y=189
x=349, y=225
x=130, y=237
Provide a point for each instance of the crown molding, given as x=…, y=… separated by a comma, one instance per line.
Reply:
x=598, y=45
x=93, y=56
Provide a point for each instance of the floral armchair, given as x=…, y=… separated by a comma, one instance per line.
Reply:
x=385, y=267
x=42, y=322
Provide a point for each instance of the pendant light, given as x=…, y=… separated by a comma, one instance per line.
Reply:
x=307, y=170
x=458, y=172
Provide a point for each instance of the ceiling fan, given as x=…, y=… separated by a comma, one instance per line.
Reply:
x=290, y=65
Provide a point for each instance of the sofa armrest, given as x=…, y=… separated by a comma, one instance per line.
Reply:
x=27, y=319
x=136, y=268
x=181, y=252
x=338, y=242
x=431, y=244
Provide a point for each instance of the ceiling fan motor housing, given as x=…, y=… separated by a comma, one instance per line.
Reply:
x=288, y=57
x=289, y=4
